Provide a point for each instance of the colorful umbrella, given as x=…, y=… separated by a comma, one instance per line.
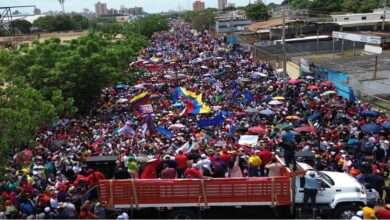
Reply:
x=267, y=112
x=293, y=117
x=386, y=124
x=177, y=126
x=294, y=81
x=312, y=87
x=310, y=129
x=122, y=100
x=257, y=130
x=314, y=116
x=329, y=92
x=372, y=128
x=275, y=102
x=251, y=110
x=326, y=83
x=370, y=112
x=279, y=98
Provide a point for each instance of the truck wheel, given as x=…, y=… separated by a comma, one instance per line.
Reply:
x=346, y=211
x=183, y=214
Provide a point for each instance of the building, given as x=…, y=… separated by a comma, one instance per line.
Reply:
x=362, y=21
x=289, y=13
x=257, y=2
x=198, y=6
x=101, y=9
x=222, y=4
x=131, y=11
x=231, y=25
x=37, y=11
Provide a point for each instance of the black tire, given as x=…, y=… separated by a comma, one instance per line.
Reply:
x=345, y=211
x=183, y=214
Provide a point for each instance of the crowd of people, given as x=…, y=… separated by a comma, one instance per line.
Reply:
x=184, y=119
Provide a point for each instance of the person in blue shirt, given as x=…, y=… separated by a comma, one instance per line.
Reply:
x=310, y=188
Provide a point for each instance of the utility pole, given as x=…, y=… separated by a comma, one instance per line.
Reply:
x=384, y=15
x=285, y=76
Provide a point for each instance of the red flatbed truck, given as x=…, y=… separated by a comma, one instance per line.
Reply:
x=178, y=198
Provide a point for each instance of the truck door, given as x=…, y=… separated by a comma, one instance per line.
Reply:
x=326, y=193
x=324, y=196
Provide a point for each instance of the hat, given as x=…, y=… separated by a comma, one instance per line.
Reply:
x=194, y=165
x=387, y=206
x=359, y=213
x=47, y=209
x=203, y=156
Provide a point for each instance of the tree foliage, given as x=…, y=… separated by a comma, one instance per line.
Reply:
x=319, y=7
x=203, y=21
x=22, y=25
x=61, y=23
x=257, y=12
x=44, y=81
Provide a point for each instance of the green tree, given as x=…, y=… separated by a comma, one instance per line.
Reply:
x=45, y=23
x=204, y=21
x=301, y=4
x=257, y=12
x=22, y=111
x=80, y=22
x=321, y=7
x=22, y=25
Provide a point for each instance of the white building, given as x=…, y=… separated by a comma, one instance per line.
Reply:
x=101, y=9
x=362, y=19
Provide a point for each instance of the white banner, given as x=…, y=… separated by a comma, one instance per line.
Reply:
x=357, y=37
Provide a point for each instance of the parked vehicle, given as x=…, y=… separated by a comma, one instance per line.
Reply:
x=340, y=195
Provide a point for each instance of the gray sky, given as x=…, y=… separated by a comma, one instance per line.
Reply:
x=151, y=6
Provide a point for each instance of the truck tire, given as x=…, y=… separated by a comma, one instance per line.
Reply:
x=183, y=214
x=345, y=211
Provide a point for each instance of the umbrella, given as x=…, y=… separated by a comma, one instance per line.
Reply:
x=23, y=156
x=326, y=83
x=283, y=126
x=312, y=87
x=239, y=113
x=309, y=77
x=279, y=98
x=329, y=92
x=207, y=74
x=370, y=112
x=251, y=110
x=386, y=124
x=275, y=102
x=293, y=117
x=267, y=112
x=177, y=104
x=177, y=126
x=181, y=75
x=372, y=128
x=122, y=100
x=314, y=116
x=267, y=99
x=294, y=81
x=168, y=77
x=257, y=130
x=139, y=86
x=255, y=76
x=204, y=67
x=310, y=129
x=120, y=86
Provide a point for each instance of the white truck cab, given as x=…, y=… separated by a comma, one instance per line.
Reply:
x=339, y=192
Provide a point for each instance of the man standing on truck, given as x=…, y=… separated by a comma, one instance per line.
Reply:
x=288, y=144
x=310, y=188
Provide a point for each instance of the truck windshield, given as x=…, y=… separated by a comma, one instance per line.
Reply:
x=327, y=179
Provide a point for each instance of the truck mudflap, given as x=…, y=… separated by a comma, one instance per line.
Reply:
x=348, y=197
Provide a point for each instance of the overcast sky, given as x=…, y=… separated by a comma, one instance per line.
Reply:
x=151, y=6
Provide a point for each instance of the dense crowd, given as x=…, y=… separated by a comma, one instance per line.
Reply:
x=184, y=119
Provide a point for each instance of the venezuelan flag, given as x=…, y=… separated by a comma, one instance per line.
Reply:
x=140, y=99
x=195, y=104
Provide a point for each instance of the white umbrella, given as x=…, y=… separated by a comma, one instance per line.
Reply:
x=168, y=77
x=122, y=100
x=275, y=102
x=329, y=92
x=177, y=126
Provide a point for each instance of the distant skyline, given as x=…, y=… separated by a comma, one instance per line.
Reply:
x=151, y=6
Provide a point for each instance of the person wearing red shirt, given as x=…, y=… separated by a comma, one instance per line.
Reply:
x=193, y=172
x=94, y=177
x=383, y=213
x=150, y=170
x=266, y=157
x=225, y=157
x=181, y=161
